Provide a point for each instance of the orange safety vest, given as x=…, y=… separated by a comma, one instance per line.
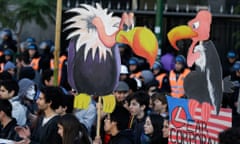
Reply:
x=2, y=67
x=35, y=63
x=135, y=75
x=1, y=64
x=177, y=89
x=60, y=66
x=159, y=78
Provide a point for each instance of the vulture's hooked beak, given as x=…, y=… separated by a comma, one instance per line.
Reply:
x=142, y=41
x=180, y=33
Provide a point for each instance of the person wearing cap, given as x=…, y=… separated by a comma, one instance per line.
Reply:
x=176, y=77
x=121, y=92
x=8, y=55
x=30, y=40
x=10, y=68
x=232, y=57
x=124, y=74
x=133, y=68
x=33, y=55
x=161, y=76
x=8, y=42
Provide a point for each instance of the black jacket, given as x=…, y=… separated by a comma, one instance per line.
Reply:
x=46, y=134
x=123, y=137
x=9, y=132
x=138, y=129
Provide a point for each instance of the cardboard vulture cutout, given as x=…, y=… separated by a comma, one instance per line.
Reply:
x=200, y=118
x=203, y=86
x=94, y=58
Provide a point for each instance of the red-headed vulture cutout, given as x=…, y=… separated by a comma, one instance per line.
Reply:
x=94, y=58
x=204, y=86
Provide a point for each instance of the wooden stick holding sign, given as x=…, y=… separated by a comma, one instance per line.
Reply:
x=57, y=40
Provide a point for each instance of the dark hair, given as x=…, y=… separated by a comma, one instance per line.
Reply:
x=160, y=96
x=121, y=116
x=73, y=130
x=230, y=136
x=141, y=97
x=6, y=107
x=5, y=75
x=25, y=58
x=10, y=85
x=67, y=101
x=132, y=83
x=52, y=94
x=157, y=123
x=46, y=75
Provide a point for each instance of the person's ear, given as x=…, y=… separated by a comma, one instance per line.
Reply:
x=142, y=107
x=12, y=93
x=64, y=108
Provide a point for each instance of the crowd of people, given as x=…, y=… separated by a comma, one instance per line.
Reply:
x=33, y=110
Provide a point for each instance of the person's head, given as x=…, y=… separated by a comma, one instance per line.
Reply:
x=10, y=67
x=5, y=75
x=159, y=103
x=30, y=40
x=5, y=109
x=6, y=34
x=139, y=102
x=8, y=89
x=124, y=74
x=27, y=89
x=230, y=136
x=146, y=77
x=133, y=64
x=132, y=83
x=49, y=98
x=157, y=67
x=8, y=53
x=25, y=59
x=71, y=130
x=32, y=50
x=121, y=92
x=180, y=63
x=236, y=68
x=232, y=56
x=165, y=129
x=45, y=47
x=23, y=47
x=117, y=120
x=47, y=77
x=153, y=127
x=19, y=61
x=152, y=87
x=66, y=105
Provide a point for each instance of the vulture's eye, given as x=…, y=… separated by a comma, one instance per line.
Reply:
x=195, y=25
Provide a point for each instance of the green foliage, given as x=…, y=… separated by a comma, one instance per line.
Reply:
x=36, y=10
x=39, y=11
x=6, y=16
